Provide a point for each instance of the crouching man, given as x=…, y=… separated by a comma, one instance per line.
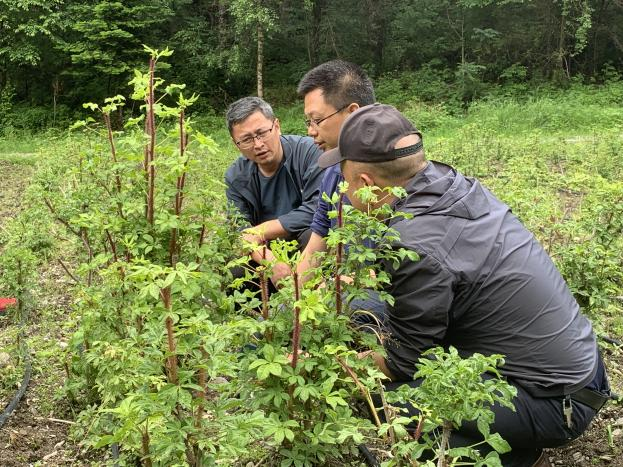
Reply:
x=274, y=184
x=482, y=284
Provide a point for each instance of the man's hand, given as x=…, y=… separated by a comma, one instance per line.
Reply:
x=250, y=237
x=379, y=362
x=280, y=272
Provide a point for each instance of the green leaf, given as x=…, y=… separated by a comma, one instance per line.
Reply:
x=104, y=441
x=498, y=443
x=483, y=426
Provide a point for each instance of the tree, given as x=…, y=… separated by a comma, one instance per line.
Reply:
x=257, y=17
x=104, y=40
x=26, y=30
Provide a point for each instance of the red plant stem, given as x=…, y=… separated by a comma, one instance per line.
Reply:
x=264, y=286
x=151, y=128
x=418, y=429
x=145, y=447
x=74, y=278
x=202, y=393
x=146, y=165
x=173, y=248
x=296, y=331
x=172, y=358
x=112, y=246
x=202, y=235
x=62, y=221
x=338, y=259
x=113, y=150
x=179, y=194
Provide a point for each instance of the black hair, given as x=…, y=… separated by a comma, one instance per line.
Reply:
x=240, y=110
x=342, y=83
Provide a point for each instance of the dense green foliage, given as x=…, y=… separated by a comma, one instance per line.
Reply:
x=159, y=326
x=54, y=52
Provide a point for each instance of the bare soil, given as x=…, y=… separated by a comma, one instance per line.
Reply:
x=38, y=431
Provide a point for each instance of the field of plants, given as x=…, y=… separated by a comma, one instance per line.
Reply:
x=143, y=350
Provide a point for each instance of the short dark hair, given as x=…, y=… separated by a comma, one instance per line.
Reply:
x=240, y=110
x=342, y=83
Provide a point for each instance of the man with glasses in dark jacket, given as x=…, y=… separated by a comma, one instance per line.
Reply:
x=274, y=184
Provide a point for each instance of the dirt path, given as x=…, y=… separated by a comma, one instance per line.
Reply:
x=37, y=432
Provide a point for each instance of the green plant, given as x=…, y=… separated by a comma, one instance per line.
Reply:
x=152, y=337
x=453, y=390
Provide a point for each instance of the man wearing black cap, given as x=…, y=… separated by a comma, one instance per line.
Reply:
x=482, y=284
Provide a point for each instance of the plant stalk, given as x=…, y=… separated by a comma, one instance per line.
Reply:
x=145, y=446
x=296, y=331
x=445, y=437
x=172, y=358
x=362, y=389
x=150, y=153
x=338, y=258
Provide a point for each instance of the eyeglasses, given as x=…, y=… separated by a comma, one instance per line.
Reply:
x=260, y=135
x=315, y=122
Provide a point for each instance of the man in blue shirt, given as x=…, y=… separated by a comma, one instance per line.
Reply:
x=331, y=92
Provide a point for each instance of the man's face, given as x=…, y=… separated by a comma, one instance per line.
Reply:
x=325, y=133
x=257, y=142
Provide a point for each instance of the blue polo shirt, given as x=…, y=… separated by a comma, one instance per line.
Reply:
x=329, y=185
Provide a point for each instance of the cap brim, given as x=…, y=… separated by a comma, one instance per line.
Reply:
x=329, y=158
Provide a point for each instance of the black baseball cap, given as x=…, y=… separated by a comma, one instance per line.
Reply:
x=370, y=135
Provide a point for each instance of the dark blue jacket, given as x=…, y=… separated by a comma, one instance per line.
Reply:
x=301, y=163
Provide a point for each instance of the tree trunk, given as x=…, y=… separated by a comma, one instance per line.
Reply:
x=562, y=62
x=378, y=29
x=314, y=32
x=222, y=24
x=260, y=61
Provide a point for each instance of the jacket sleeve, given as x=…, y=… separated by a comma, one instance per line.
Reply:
x=419, y=318
x=299, y=219
x=236, y=204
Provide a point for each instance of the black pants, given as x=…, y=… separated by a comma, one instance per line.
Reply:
x=537, y=423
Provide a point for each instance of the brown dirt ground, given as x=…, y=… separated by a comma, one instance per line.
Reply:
x=37, y=432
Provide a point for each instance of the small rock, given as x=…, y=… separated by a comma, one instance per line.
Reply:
x=5, y=359
x=63, y=345
x=577, y=456
x=618, y=422
x=616, y=433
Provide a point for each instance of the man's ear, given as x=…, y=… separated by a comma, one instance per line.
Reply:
x=352, y=107
x=366, y=179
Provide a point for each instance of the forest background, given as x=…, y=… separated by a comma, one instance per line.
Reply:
x=55, y=54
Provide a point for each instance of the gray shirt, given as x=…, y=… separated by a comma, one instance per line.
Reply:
x=278, y=194
x=483, y=284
